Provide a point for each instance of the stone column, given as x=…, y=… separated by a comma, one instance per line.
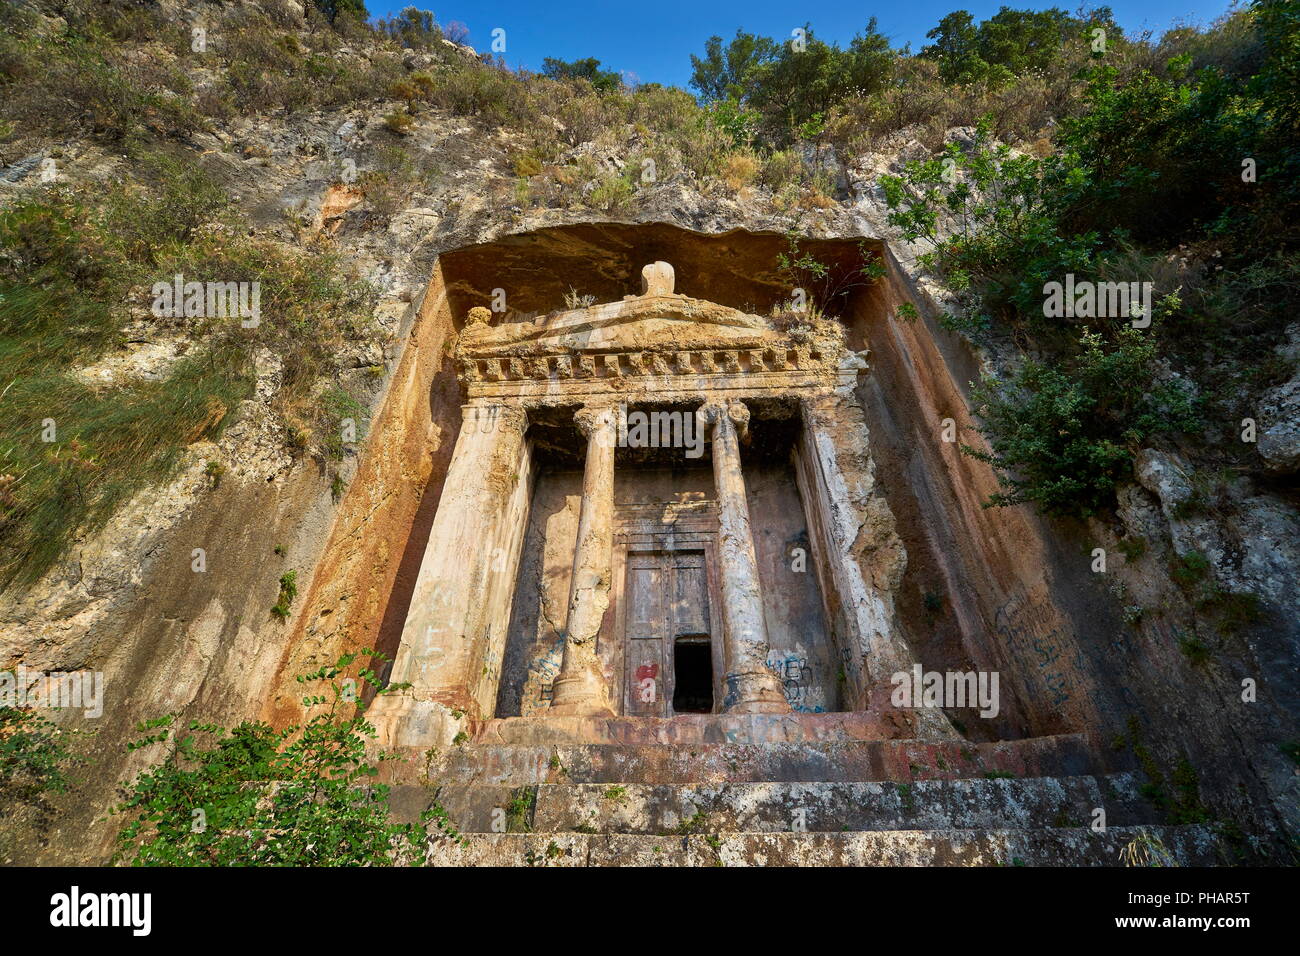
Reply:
x=751, y=687
x=465, y=576
x=580, y=688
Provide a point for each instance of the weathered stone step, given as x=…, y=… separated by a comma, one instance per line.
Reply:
x=683, y=729
x=812, y=762
x=1186, y=845
x=784, y=807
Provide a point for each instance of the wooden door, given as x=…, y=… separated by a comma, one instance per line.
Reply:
x=667, y=599
x=644, y=595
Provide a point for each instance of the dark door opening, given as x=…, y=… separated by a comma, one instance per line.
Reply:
x=692, y=676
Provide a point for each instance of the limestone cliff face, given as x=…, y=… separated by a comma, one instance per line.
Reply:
x=998, y=589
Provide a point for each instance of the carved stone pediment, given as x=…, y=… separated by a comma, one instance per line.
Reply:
x=638, y=323
x=657, y=334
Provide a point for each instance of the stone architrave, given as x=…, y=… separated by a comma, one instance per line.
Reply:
x=751, y=687
x=580, y=687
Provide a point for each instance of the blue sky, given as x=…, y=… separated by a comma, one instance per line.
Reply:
x=653, y=39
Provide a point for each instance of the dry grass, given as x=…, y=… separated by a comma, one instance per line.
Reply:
x=740, y=170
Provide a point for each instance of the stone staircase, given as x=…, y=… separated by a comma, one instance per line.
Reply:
x=610, y=793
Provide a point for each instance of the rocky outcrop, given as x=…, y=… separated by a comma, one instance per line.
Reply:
x=1252, y=547
x=1279, y=415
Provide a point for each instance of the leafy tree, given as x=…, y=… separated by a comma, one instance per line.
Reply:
x=1002, y=239
x=727, y=73
x=1270, y=122
x=1150, y=160
x=956, y=48
x=605, y=81
x=1153, y=159
x=1009, y=43
x=800, y=87
x=411, y=28
x=1024, y=40
x=356, y=9
x=1278, y=81
x=254, y=796
x=1154, y=155
x=794, y=89
x=734, y=120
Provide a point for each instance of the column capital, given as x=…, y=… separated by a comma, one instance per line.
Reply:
x=591, y=418
x=732, y=410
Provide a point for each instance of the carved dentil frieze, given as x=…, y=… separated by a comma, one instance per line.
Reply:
x=644, y=364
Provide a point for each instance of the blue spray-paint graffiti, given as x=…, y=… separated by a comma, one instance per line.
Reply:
x=540, y=683
x=797, y=679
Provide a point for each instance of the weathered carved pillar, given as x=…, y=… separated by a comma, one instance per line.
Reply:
x=860, y=557
x=751, y=687
x=580, y=687
x=461, y=601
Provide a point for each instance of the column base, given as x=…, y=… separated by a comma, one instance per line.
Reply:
x=755, y=693
x=401, y=721
x=580, y=695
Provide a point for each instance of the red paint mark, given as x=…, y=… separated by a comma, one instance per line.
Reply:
x=647, y=671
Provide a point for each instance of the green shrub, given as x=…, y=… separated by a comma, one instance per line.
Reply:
x=412, y=29
x=1063, y=437
x=612, y=192
x=739, y=169
x=477, y=89
x=34, y=757
x=87, y=84
x=254, y=796
x=781, y=168
x=1190, y=568
x=336, y=405
x=526, y=164
x=588, y=70
x=288, y=591
x=399, y=122
x=332, y=9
